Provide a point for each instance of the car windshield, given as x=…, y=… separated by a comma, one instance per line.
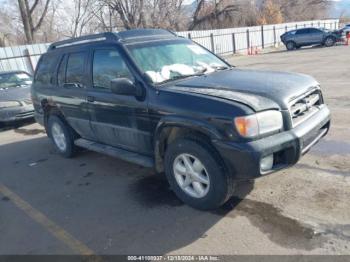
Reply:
x=9, y=80
x=170, y=60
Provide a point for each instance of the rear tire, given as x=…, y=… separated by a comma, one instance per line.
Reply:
x=62, y=136
x=196, y=175
x=290, y=46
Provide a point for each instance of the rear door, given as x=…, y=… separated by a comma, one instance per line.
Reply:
x=72, y=83
x=117, y=120
x=302, y=37
x=316, y=35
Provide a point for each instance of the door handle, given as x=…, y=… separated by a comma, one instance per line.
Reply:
x=90, y=99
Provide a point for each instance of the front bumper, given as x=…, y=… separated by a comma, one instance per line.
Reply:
x=243, y=159
x=13, y=114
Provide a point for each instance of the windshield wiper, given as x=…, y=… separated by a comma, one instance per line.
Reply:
x=183, y=76
x=220, y=68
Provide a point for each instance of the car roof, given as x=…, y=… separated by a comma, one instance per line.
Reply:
x=128, y=36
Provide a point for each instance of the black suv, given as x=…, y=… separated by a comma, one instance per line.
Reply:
x=162, y=101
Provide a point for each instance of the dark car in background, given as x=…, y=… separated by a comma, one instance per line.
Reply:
x=309, y=36
x=15, y=101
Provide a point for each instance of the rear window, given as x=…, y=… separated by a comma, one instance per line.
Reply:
x=46, y=68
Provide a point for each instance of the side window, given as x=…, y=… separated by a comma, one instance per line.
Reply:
x=108, y=65
x=314, y=31
x=45, y=71
x=61, y=73
x=75, y=68
x=302, y=31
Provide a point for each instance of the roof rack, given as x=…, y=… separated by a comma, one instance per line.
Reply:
x=85, y=39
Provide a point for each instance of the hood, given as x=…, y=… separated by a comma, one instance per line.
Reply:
x=261, y=90
x=15, y=93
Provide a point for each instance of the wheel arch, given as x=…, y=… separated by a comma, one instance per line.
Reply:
x=49, y=110
x=171, y=128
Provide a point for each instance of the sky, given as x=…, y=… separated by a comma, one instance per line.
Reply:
x=340, y=7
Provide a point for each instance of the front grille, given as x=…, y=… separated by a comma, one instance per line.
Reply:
x=25, y=114
x=305, y=107
x=28, y=101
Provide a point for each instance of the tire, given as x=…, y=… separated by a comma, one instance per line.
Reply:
x=290, y=45
x=62, y=136
x=329, y=41
x=218, y=188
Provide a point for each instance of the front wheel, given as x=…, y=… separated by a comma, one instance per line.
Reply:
x=290, y=45
x=196, y=175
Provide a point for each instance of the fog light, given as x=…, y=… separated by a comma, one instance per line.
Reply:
x=266, y=163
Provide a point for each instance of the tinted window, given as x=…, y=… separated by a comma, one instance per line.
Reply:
x=302, y=31
x=108, y=65
x=46, y=68
x=75, y=68
x=61, y=74
x=314, y=31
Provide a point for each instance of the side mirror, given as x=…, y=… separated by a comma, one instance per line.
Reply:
x=123, y=86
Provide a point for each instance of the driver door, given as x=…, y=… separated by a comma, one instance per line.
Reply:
x=117, y=120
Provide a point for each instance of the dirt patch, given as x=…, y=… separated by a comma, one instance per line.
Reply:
x=5, y=198
x=283, y=230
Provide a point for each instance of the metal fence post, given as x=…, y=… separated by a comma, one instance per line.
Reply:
x=274, y=36
x=296, y=26
x=234, y=43
x=248, y=39
x=189, y=35
x=312, y=24
x=212, y=42
x=286, y=28
x=262, y=37
x=319, y=24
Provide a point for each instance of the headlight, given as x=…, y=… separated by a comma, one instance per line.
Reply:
x=259, y=124
x=6, y=104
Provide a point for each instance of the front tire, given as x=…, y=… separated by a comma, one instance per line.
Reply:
x=62, y=136
x=196, y=175
x=329, y=42
x=291, y=46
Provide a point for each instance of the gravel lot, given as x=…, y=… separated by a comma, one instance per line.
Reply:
x=97, y=204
